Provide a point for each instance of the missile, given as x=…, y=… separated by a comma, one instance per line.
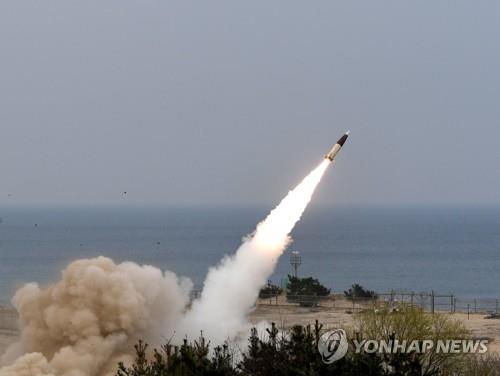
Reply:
x=336, y=148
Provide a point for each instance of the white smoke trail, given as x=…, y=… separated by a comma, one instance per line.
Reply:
x=231, y=288
x=87, y=322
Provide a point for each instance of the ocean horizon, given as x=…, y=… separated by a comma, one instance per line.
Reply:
x=448, y=249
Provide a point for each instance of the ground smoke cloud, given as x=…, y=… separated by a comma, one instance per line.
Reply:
x=88, y=322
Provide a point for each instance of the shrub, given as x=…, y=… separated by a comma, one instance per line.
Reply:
x=305, y=291
x=358, y=291
x=408, y=323
x=484, y=365
x=270, y=291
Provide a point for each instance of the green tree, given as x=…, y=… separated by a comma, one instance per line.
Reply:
x=358, y=291
x=189, y=359
x=305, y=291
x=269, y=291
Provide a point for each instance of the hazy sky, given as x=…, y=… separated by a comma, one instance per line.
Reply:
x=232, y=102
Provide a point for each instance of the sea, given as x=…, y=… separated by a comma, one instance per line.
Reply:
x=450, y=250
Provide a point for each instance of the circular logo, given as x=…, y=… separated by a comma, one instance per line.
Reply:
x=333, y=345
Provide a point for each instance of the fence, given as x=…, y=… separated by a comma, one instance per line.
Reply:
x=428, y=301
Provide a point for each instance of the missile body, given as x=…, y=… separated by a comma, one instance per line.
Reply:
x=336, y=148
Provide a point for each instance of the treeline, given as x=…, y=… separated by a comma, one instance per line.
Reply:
x=295, y=352
x=309, y=286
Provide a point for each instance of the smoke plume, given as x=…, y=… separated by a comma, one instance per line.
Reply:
x=89, y=321
x=231, y=288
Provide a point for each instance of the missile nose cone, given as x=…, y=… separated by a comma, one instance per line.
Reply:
x=342, y=139
x=347, y=133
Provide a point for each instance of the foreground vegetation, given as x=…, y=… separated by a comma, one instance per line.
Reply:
x=295, y=352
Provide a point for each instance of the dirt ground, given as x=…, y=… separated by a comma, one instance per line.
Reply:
x=336, y=315
x=340, y=315
x=6, y=338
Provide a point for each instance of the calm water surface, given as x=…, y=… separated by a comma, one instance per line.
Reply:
x=446, y=249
